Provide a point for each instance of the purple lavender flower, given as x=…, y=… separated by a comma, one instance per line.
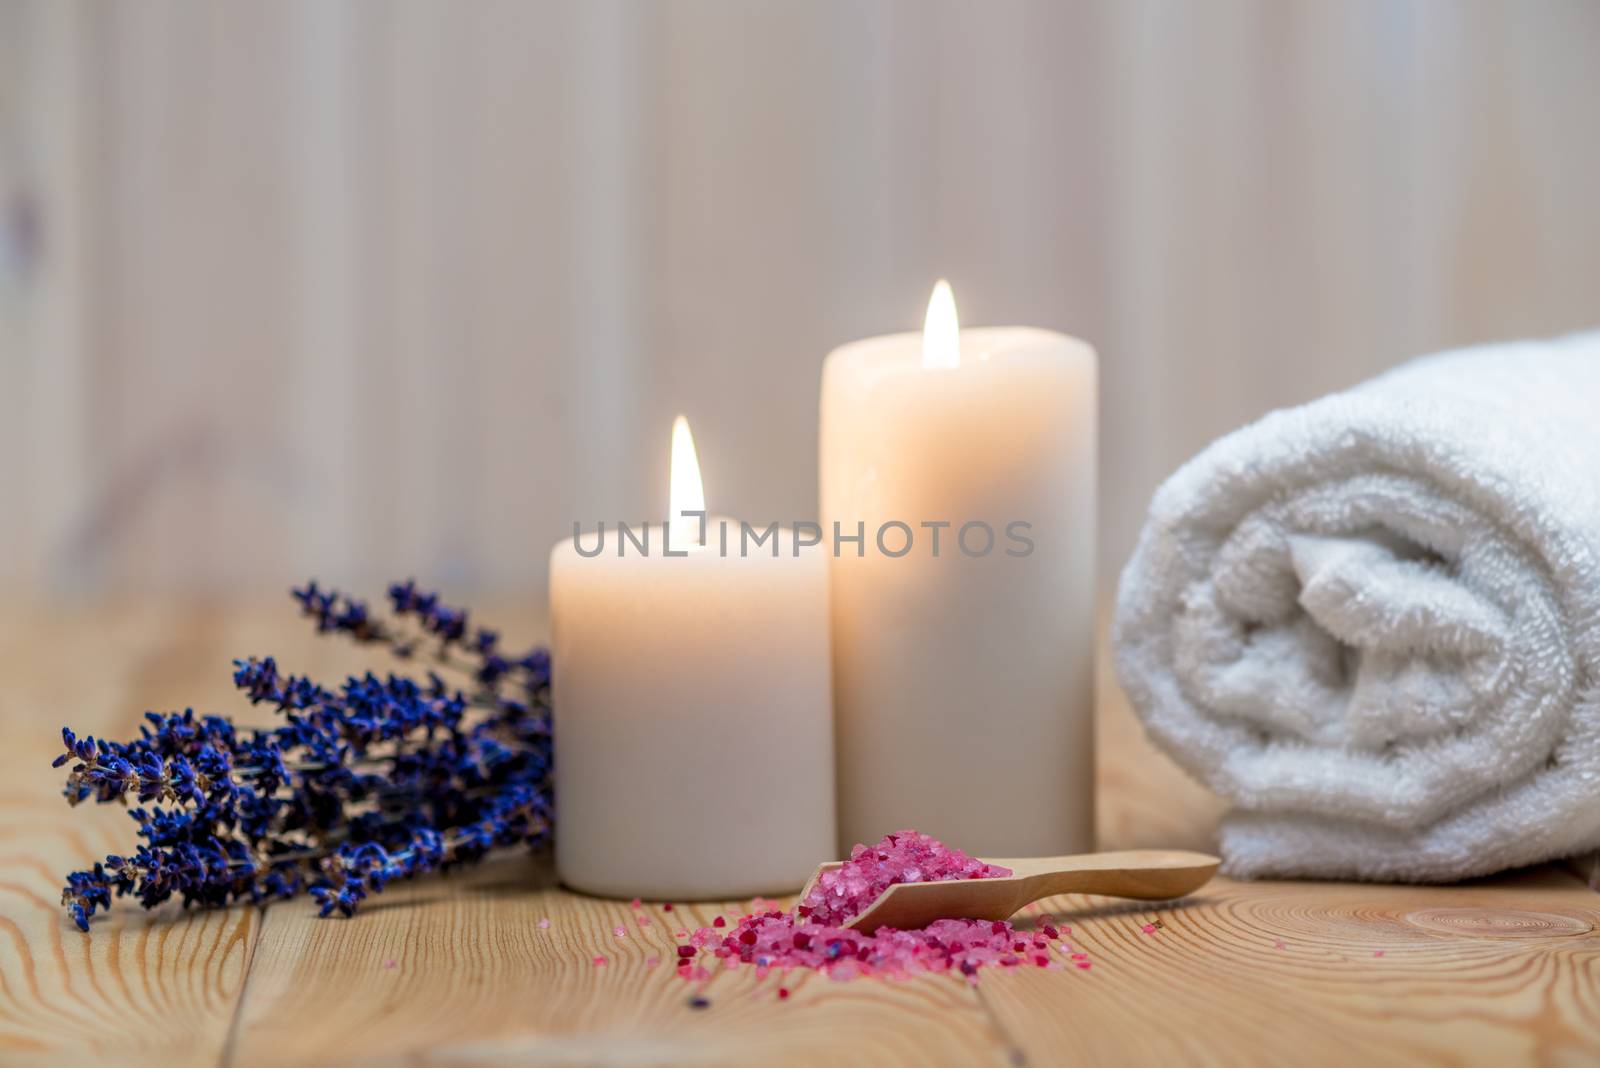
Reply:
x=376, y=779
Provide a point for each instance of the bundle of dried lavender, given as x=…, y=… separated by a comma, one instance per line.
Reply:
x=378, y=779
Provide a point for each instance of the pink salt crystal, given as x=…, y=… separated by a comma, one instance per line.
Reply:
x=1084, y=965
x=642, y=921
x=1148, y=928
x=636, y=904
x=683, y=934
x=620, y=931
x=1277, y=943
x=1377, y=953
x=544, y=924
x=652, y=961
x=388, y=964
x=600, y=961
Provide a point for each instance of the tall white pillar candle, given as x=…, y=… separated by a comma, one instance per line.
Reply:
x=693, y=734
x=963, y=669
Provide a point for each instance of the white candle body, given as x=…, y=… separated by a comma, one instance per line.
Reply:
x=964, y=685
x=694, y=730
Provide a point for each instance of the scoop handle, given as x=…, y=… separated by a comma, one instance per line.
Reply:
x=1141, y=874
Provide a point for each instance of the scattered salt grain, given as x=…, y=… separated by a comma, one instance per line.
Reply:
x=544, y=924
x=600, y=961
x=620, y=931
x=1148, y=928
x=636, y=904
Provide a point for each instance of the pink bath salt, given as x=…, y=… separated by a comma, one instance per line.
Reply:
x=812, y=935
x=787, y=940
x=1377, y=953
x=902, y=857
x=544, y=924
x=1148, y=928
x=620, y=931
x=600, y=961
x=636, y=904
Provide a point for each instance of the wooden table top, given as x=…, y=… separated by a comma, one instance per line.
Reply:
x=457, y=971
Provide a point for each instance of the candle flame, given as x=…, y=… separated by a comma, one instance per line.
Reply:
x=941, y=331
x=685, y=491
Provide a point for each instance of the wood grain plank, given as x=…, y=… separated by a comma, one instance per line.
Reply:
x=458, y=971
x=1502, y=971
x=156, y=988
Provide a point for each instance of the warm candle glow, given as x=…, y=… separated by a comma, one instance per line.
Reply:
x=941, y=332
x=685, y=491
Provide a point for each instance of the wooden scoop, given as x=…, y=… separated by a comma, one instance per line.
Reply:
x=1145, y=874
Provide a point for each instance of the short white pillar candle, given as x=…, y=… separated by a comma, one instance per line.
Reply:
x=692, y=706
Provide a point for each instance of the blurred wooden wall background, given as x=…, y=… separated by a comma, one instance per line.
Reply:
x=371, y=289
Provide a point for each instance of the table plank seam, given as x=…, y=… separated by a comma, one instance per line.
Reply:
x=225, y=1056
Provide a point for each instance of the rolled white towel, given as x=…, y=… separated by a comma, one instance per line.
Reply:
x=1372, y=623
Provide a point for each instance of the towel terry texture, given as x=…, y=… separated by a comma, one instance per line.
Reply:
x=1372, y=623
